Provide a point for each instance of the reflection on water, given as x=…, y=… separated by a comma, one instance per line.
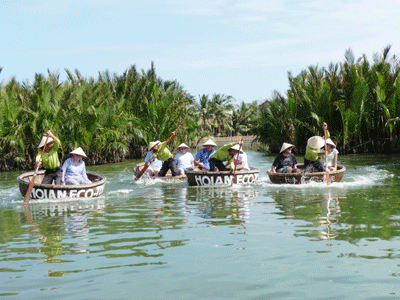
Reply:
x=170, y=241
x=319, y=208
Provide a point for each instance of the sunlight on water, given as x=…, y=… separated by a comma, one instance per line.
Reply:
x=151, y=239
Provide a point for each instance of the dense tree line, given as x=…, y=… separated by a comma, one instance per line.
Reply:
x=359, y=100
x=114, y=117
x=111, y=117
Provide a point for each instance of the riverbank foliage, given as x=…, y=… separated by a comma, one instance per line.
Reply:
x=111, y=117
x=358, y=99
x=114, y=117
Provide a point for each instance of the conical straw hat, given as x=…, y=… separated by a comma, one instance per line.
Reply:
x=152, y=144
x=329, y=141
x=78, y=151
x=183, y=145
x=285, y=146
x=236, y=147
x=44, y=141
x=209, y=143
x=315, y=142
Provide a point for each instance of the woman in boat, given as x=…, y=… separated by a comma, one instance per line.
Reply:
x=50, y=161
x=156, y=165
x=285, y=161
x=74, y=169
x=240, y=160
x=225, y=153
x=203, y=155
x=168, y=160
x=332, y=155
x=184, y=159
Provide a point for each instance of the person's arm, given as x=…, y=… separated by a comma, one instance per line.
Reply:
x=273, y=169
x=56, y=143
x=197, y=160
x=335, y=161
x=84, y=175
x=241, y=166
x=64, y=170
x=192, y=162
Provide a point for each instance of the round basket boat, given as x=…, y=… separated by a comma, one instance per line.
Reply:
x=167, y=176
x=207, y=178
x=299, y=178
x=51, y=191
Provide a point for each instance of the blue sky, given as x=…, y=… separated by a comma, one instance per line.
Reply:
x=244, y=49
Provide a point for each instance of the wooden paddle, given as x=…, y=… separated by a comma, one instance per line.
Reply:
x=237, y=158
x=147, y=164
x=30, y=187
x=328, y=179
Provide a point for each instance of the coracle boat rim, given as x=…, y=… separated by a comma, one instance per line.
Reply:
x=101, y=180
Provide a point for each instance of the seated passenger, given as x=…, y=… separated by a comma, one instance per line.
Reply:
x=184, y=159
x=241, y=159
x=225, y=153
x=74, y=170
x=332, y=155
x=285, y=161
x=203, y=155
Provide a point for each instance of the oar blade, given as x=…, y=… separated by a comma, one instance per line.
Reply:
x=28, y=193
x=145, y=167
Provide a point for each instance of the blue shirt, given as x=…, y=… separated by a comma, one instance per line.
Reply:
x=156, y=163
x=71, y=170
x=204, y=156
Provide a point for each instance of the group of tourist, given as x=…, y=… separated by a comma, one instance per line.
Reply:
x=286, y=162
x=206, y=159
x=229, y=157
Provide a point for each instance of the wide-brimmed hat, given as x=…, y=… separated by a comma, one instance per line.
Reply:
x=183, y=145
x=315, y=142
x=78, y=151
x=209, y=143
x=286, y=146
x=236, y=147
x=152, y=144
x=43, y=141
x=330, y=142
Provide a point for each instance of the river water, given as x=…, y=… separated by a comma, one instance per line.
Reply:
x=157, y=240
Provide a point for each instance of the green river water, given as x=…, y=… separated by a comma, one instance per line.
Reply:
x=157, y=240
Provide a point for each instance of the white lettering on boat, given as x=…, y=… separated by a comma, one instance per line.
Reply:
x=225, y=179
x=61, y=194
x=54, y=194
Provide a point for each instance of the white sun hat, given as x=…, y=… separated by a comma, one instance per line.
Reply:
x=209, y=143
x=78, y=151
x=183, y=145
x=315, y=142
x=286, y=146
x=329, y=141
x=43, y=141
x=152, y=144
x=236, y=147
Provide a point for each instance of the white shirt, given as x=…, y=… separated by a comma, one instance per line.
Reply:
x=184, y=160
x=242, y=159
x=331, y=156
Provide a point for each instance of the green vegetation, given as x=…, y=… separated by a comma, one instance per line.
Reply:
x=112, y=117
x=358, y=100
x=115, y=117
